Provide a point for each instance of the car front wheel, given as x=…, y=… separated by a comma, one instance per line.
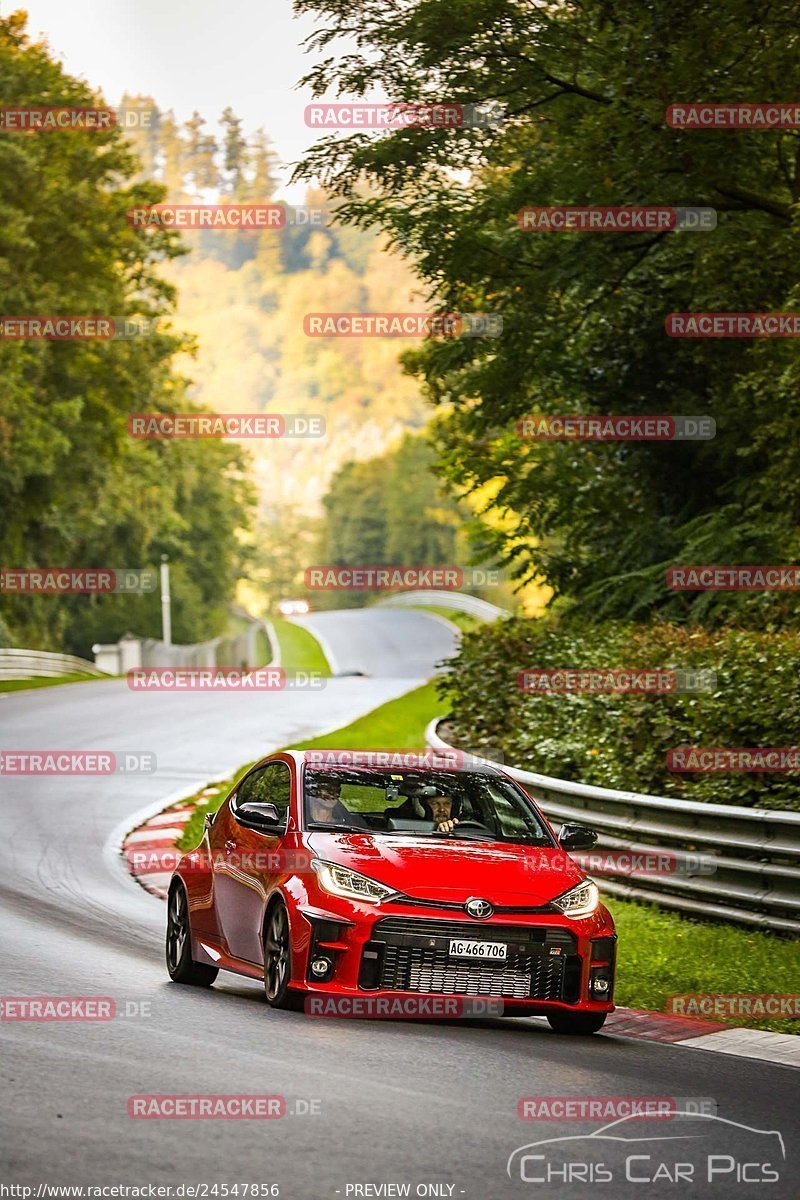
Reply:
x=180, y=964
x=577, y=1023
x=277, y=957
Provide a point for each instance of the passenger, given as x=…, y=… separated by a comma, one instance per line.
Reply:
x=325, y=805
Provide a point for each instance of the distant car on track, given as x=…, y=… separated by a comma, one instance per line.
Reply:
x=348, y=880
x=293, y=608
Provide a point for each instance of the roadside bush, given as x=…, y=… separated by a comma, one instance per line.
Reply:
x=621, y=740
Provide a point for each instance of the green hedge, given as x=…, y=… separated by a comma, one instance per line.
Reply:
x=620, y=741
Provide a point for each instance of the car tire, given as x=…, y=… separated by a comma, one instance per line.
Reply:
x=578, y=1024
x=278, y=957
x=180, y=964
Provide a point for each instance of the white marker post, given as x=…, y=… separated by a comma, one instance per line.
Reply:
x=166, y=614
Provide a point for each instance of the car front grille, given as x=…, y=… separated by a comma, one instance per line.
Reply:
x=412, y=955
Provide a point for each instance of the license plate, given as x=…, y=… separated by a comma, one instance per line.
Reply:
x=459, y=948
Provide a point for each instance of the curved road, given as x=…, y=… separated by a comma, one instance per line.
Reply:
x=382, y=641
x=399, y=1105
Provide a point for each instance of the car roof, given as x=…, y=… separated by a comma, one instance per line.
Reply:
x=395, y=760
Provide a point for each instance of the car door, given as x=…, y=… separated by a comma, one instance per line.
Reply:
x=246, y=860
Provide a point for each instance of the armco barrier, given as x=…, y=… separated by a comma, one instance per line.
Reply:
x=241, y=650
x=749, y=868
x=458, y=601
x=25, y=664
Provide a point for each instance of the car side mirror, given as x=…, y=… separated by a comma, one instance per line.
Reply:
x=577, y=837
x=257, y=814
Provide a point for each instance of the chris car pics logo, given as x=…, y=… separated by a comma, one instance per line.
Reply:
x=700, y=1148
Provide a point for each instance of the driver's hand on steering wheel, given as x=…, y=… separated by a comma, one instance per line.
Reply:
x=447, y=826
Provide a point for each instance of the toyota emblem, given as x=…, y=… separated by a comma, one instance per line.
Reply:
x=478, y=908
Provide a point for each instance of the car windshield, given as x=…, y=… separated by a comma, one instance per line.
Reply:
x=472, y=805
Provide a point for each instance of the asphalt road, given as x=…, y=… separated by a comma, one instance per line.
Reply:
x=392, y=1103
x=382, y=641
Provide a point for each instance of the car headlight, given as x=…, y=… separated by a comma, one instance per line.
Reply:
x=341, y=881
x=580, y=901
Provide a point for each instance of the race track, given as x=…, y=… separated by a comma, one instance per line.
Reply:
x=398, y=1103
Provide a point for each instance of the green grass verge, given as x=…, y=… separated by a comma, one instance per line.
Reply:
x=397, y=725
x=263, y=648
x=463, y=620
x=24, y=685
x=300, y=650
x=660, y=953
x=663, y=954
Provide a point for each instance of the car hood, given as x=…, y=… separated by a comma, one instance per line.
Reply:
x=428, y=868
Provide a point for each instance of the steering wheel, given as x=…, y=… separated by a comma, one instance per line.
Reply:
x=466, y=825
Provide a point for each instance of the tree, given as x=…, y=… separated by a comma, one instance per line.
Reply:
x=172, y=168
x=76, y=490
x=200, y=155
x=234, y=153
x=143, y=132
x=262, y=169
x=584, y=85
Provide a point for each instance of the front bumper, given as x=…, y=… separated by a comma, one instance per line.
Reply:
x=552, y=964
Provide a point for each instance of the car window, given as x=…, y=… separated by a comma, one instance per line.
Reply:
x=271, y=784
x=387, y=803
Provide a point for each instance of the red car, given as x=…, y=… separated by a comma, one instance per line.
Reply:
x=328, y=877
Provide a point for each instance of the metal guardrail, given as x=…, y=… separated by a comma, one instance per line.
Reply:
x=740, y=865
x=26, y=664
x=458, y=601
x=239, y=650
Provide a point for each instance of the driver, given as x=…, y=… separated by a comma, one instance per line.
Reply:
x=441, y=810
x=325, y=805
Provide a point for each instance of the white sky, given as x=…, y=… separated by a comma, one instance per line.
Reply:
x=187, y=55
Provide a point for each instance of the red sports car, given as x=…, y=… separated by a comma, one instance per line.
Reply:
x=331, y=878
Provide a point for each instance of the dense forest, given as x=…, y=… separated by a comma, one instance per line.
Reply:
x=76, y=490
x=585, y=86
